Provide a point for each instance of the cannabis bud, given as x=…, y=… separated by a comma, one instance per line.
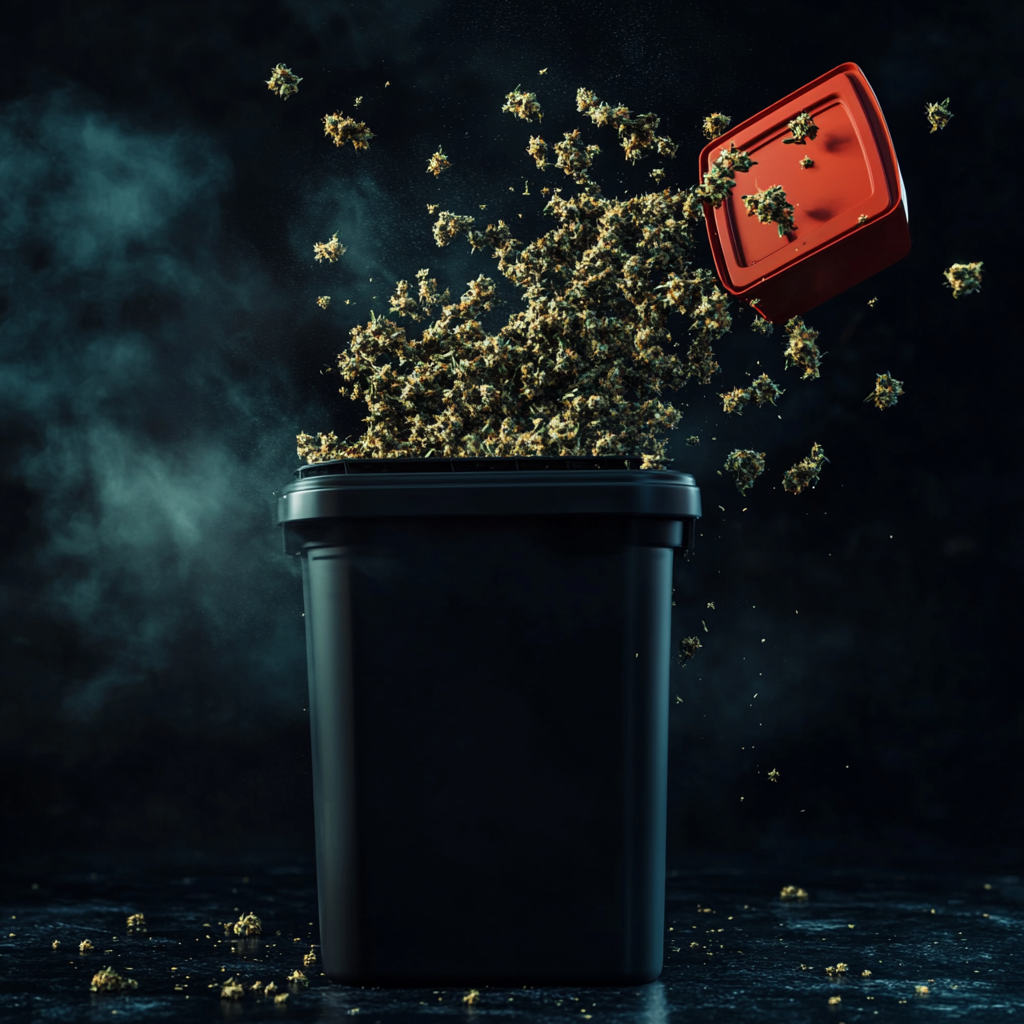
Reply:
x=803, y=128
x=938, y=114
x=283, y=82
x=964, y=278
x=715, y=124
x=771, y=207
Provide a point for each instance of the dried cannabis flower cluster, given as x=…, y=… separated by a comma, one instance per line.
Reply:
x=580, y=371
x=232, y=989
x=938, y=114
x=746, y=465
x=438, y=162
x=964, y=278
x=771, y=207
x=136, y=922
x=323, y=301
x=802, y=352
x=108, y=980
x=887, y=391
x=688, y=647
x=803, y=128
x=715, y=124
x=329, y=251
x=793, y=892
x=761, y=391
x=839, y=968
x=297, y=977
x=309, y=958
x=247, y=924
x=283, y=82
x=523, y=104
x=346, y=129
x=85, y=946
x=806, y=472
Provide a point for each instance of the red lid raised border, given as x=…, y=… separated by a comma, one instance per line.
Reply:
x=855, y=175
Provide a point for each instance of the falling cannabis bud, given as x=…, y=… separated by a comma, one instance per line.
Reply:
x=636, y=134
x=136, y=922
x=773, y=775
x=771, y=207
x=806, y=472
x=523, y=104
x=802, y=352
x=964, y=278
x=760, y=392
x=803, y=128
x=346, y=129
x=887, y=391
x=108, y=980
x=761, y=324
x=283, y=82
x=323, y=301
x=938, y=114
x=329, y=251
x=806, y=162
x=720, y=177
x=715, y=124
x=688, y=647
x=437, y=163
x=747, y=467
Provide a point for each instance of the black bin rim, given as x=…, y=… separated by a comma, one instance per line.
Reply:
x=469, y=464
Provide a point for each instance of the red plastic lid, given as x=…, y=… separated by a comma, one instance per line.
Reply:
x=855, y=174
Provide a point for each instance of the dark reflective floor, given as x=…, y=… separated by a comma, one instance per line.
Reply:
x=942, y=946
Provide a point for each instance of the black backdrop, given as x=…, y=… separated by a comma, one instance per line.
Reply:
x=161, y=347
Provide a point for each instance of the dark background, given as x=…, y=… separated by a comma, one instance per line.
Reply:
x=161, y=347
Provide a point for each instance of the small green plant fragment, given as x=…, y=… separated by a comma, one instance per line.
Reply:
x=872, y=302
x=523, y=104
x=720, y=177
x=746, y=465
x=964, y=278
x=715, y=124
x=803, y=128
x=283, y=82
x=773, y=775
x=806, y=162
x=108, y=980
x=658, y=174
x=862, y=218
x=887, y=391
x=806, y=472
x=329, y=251
x=688, y=647
x=298, y=977
x=438, y=162
x=136, y=922
x=938, y=114
x=693, y=439
x=801, y=350
x=323, y=301
x=346, y=129
x=771, y=207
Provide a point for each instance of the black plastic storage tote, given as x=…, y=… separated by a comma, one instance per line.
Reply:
x=488, y=651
